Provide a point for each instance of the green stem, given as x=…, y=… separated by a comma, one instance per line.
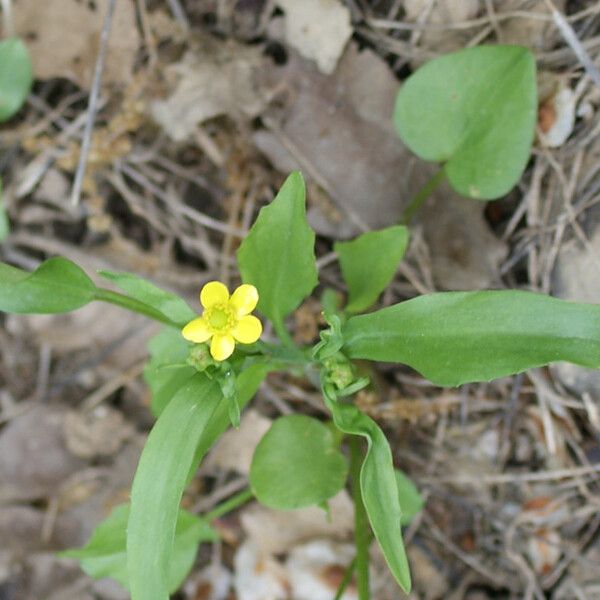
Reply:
x=346, y=580
x=422, y=195
x=229, y=505
x=283, y=334
x=133, y=305
x=361, y=522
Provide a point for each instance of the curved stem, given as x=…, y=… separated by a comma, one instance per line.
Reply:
x=422, y=195
x=361, y=522
x=229, y=505
x=133, y=305
x=346, y=580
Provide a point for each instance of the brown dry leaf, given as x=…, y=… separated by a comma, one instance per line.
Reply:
x=63, y=37
x=94, y=326
x=234, y=450
x=20, y=528
x=34, y=461
x=274, y=532
x=44, y=575
x=104, y=489
x=318, y=29
x=100, y=432
x=428, y=577
x=465, y=254
x=214, y=78
x=339, y=133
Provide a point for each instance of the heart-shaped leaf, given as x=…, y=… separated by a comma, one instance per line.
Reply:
x=297, y=464
x=369, y=263
x=474, y=110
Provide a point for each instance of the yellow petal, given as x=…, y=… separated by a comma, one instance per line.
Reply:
x=244, y=299
x=222, y=346
x=196, y=331
x=214, y=292
x=247, y=330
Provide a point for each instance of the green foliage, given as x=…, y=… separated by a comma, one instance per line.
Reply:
x=369, y=263
x=158, y=486
x=170, y=305
x=297, y=464
x=378, y=486
x=458, y=337
x=278, y=255
x=105, y=553
x=59, y=285
x=56, y=286
x=474, y=110
x=411, y=502
x=247, y=383
x=16, y=76
x=166, y=370
x=451, y=338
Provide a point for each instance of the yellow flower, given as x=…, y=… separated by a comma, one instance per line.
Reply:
x=226, y=319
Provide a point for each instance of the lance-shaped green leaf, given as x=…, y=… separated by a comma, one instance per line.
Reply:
x=474, y=110
x=369, y=263
x=105, y=553
x=457, y=337
x=297, y=464
x=378, y=487
x=278, y=255
x=158, y=486
x=16, y=76
x=56, y=286
x=169, y=304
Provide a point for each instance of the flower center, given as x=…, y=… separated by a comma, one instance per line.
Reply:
x=220, y=317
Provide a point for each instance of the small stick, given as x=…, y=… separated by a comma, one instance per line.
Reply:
x=179, y=14
x=9, y=27
x=572, y=40
x=92, y=105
